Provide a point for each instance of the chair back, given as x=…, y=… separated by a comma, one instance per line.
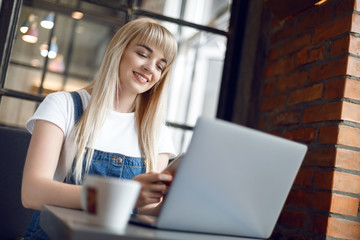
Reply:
x=14, y=143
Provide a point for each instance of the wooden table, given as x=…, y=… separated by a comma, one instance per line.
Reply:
x=63, y=223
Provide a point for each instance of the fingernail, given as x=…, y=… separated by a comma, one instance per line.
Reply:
x=165, y=177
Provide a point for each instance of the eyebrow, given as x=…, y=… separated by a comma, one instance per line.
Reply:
x=150, y=50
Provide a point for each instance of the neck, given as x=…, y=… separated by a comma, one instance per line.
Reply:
x=124, y=104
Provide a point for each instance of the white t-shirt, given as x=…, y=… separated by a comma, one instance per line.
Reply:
x=118, y=134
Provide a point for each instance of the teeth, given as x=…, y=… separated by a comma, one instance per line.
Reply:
x=144, y=79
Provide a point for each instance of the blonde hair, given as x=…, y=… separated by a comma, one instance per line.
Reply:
x=150, y=106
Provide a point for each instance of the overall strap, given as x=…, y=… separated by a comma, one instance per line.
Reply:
x=78, y=107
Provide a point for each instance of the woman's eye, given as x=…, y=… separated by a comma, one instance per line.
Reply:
x=141, y=54
x=160, y=67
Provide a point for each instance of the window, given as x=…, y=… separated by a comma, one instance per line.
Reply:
x=32, y=71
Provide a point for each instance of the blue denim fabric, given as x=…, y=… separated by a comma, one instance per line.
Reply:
x=104, y=164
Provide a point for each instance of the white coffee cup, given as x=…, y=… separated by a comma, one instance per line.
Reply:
x=109, y=202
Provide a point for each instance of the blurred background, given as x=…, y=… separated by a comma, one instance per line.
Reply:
x=59, y=45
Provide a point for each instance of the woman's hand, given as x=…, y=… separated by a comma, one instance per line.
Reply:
x=153, y=187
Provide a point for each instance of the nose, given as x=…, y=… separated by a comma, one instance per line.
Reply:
x=149, y=66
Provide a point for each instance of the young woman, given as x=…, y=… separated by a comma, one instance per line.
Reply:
x=114, y=127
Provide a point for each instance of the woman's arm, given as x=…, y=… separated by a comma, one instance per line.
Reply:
x=38, y=187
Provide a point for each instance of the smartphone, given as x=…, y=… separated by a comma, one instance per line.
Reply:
x=173, y=165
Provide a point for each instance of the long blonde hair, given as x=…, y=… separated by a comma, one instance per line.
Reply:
x=150, y=106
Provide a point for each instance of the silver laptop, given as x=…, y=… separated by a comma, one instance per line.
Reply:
x=232, y=180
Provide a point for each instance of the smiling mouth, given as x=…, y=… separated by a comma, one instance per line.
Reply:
x=141, y=77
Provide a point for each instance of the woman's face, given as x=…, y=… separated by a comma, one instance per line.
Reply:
x=141, y=67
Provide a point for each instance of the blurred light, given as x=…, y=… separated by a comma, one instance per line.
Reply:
x=57, y=65
x=77, y=15
x=48, y=21
x=32, y=34
x=53, y=48
x=44, y=49
x=25, y=26
x=320, y=2
x=50, y=53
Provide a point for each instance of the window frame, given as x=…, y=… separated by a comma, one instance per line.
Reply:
x=230, y=75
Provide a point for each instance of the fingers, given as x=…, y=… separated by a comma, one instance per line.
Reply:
x=147, y=196
x=153, y=187
x=158, y=187
x=154, y=177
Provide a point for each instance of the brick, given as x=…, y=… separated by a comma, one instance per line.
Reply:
x=286, y=32
x=323, y=157
x=344, y=205
x=335, y=89
x=344, y=229
x=304, y=176
x=306, y=94
x=328, y=70
x=316, y=54
x=334, y=227
x=302, y=135
x=332, y=29
x=301, y=57
x=348, y=136
x=355, y=23
x=354, y=45
x=350, y=112
x=269, y=88
x=286, y=118
x=347, y=159
x=328, y=135
x=352, y=89
x=337, y=181
x=318, y=224
x=323, y=180
x=308, y=199
x=307, y=55
x=324, y=201
x=273, y=54
x=357, y=5
x=276, y=133
x=325, y=112
x=296, y=198
x=293, y=80
x=296, y=44
x=343, y=135
x=319, y=16
x=343, y=87
x=353, y=66
x=340, y=46
x=272, y=103
x=292, y=218
x=344, y=7
x=333, y=157
x=279, y=67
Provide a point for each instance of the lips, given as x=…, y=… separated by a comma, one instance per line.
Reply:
x=142, y=78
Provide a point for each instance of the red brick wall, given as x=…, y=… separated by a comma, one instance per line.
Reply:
x=311, y=94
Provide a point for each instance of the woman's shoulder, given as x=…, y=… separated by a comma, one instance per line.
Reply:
x=57, y=108
x=64, y=99
x=67, y=95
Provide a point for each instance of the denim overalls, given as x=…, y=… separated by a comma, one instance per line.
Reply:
x=103, y=163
